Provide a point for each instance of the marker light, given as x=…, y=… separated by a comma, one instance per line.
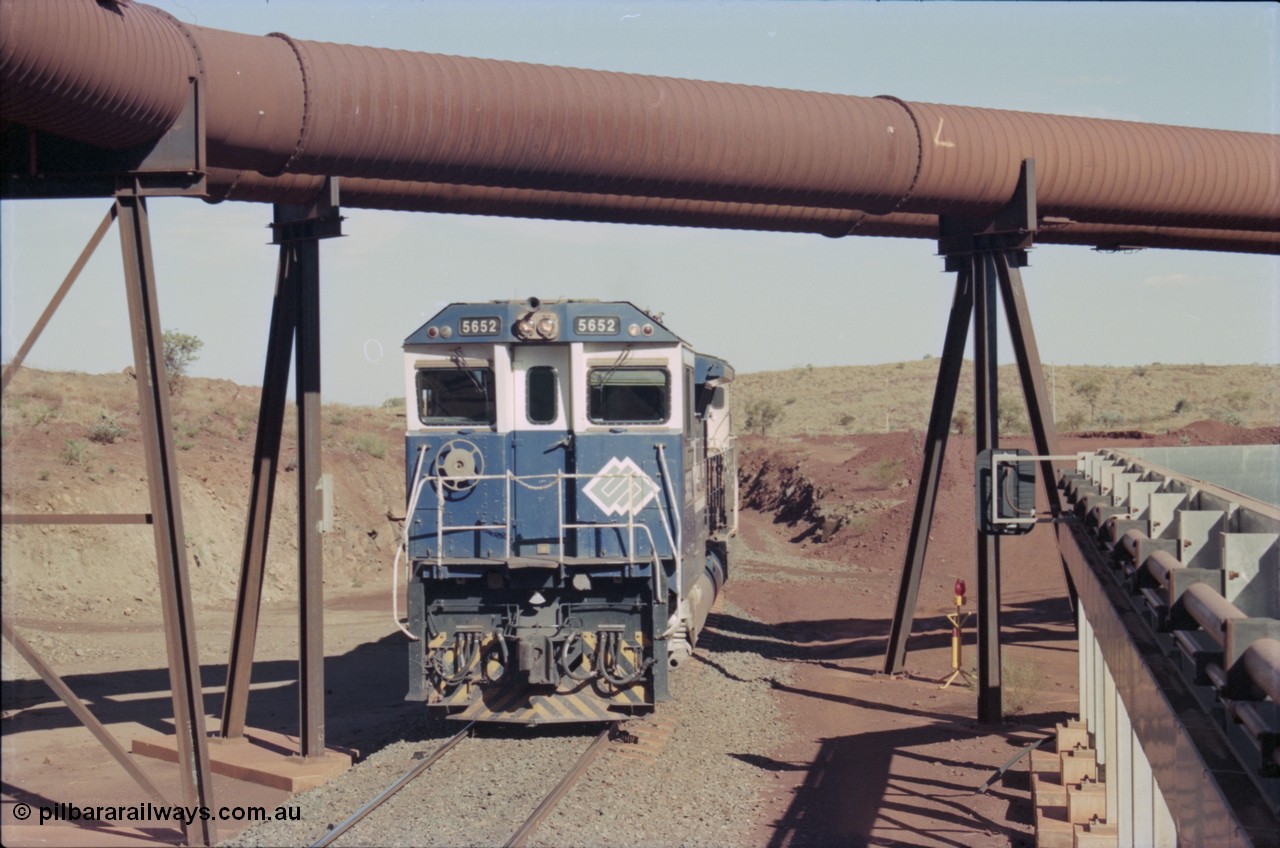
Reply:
x=633, y=330
x=446, y=332
x=648, y=330
x=432, y=332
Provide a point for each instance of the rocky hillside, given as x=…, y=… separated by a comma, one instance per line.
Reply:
x=71, y=444
x=884, y=398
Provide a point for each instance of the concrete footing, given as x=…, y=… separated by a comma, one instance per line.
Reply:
x=1070, y=801
x=260, y=756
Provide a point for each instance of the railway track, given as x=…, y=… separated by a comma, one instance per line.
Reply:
x=526, y=829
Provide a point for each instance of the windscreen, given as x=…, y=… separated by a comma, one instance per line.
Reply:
x=628, y=395
x=455, y=396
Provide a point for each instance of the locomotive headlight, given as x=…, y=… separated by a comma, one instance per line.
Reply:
x=547, y=327
x=524, y=329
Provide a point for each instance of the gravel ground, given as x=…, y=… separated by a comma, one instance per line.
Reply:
x=703, y=788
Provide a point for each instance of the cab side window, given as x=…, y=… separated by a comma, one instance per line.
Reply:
x=542, y=394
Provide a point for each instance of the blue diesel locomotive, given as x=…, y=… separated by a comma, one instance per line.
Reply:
x=571, y=483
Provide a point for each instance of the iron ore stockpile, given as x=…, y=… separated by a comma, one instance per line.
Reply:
x=482, y=790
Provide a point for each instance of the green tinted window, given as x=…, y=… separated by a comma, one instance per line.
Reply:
x=628, y=395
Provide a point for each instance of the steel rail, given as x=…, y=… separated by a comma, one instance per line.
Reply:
x=562, y=788
x=350, y=821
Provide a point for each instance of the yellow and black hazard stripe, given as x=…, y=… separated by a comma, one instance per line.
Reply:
x=529, y=705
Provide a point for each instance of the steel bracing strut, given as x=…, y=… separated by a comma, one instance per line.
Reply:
x=195, y=780
x=986, y=255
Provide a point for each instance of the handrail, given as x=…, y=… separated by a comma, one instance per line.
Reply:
x=678, y=542
x=557, y=480
x=403, y=547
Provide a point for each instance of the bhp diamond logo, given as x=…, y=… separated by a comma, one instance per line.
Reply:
x=621, y=487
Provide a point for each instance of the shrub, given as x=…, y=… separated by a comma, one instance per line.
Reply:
x=74, y=452
x=1182, y=406
x=1110, y=418
x=180, y=350
x=1010, y=416
x=106, y=431
x=1073, y=420
x=762, y=414
x=1090, y=390
x=371, y=445
x=37, y=414
x=1230, y=417
x=1238, y=399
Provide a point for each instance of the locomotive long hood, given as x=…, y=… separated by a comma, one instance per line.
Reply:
x=116, y=75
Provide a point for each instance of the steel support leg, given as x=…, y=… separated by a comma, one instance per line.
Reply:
x=298, y=230
x=944, y=400
x=311, y=565
x=987, y=430
x=162, y=475
x=266, y=458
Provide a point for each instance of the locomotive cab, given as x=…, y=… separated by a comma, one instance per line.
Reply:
x=570, y=480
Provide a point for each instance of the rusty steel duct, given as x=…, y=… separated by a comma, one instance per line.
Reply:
x=622, y=209
x=115, y=75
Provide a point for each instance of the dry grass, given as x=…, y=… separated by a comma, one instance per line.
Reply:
x=210, y=414
x=897, y=396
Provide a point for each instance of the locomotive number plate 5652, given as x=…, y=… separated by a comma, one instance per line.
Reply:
x=593, y=325
x=479, y=326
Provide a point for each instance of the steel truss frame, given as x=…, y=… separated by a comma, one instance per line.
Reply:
x=165, y=517
x=295, y=327
x=986, y=255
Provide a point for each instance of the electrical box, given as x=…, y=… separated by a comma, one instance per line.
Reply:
x=1006, y=492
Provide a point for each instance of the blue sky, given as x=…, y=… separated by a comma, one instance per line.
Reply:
x=764, y=301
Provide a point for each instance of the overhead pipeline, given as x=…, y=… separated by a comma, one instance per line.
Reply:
x=114, y=75
x=405, y=196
